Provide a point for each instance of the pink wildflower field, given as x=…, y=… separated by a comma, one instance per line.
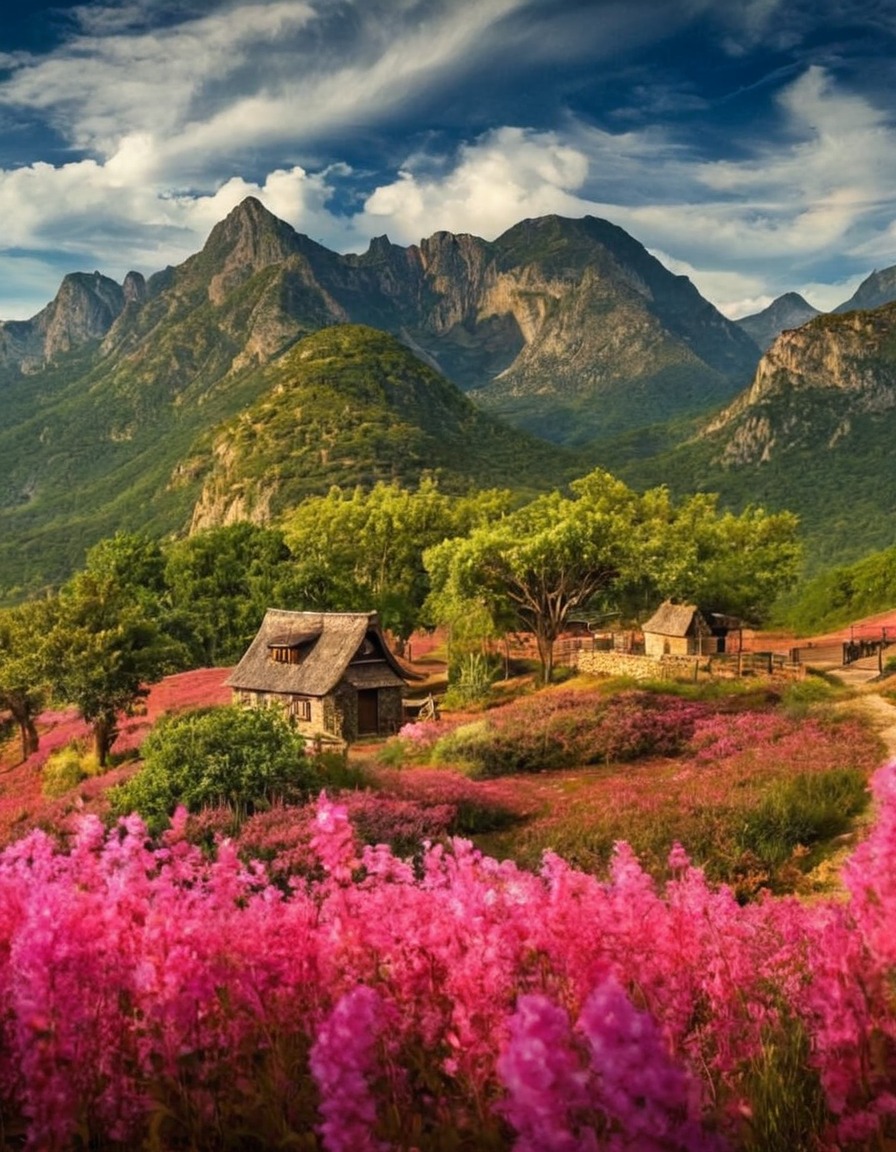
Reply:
x=158, y=996
x=297, y=983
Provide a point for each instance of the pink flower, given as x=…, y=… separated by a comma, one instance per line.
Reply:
x=342, y=1063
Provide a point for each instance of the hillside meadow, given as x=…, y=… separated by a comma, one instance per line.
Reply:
x=596, y=916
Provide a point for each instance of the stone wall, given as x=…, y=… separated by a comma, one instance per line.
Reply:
x=639, y=667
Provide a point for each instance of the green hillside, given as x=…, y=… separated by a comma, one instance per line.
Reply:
x=352, y=405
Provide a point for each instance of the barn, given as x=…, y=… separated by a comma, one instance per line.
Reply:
x=332, y=672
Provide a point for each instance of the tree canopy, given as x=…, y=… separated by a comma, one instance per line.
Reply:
x=365, y=549
x=24, y=685
x=102, y=650
x=564, y=554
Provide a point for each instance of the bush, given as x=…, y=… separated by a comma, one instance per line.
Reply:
x=241, y=758
x=65, y=769
x=470, y=681
x=567, y=728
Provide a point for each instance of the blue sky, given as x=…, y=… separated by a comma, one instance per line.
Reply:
x=750, y=144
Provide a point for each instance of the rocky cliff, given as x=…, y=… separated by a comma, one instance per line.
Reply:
x=84, y=309
x=811, y=385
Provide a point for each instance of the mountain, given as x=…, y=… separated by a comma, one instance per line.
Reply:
x=788, y=311
x=611, y=339
x=84, y=309
x=813, y=433
x=876, y=289
x=566, y=327
x=351, y=405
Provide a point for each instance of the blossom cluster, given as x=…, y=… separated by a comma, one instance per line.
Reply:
x=152, y=994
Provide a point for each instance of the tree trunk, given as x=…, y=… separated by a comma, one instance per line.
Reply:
x=546, y=656
x=29, y=734
x=104, y=733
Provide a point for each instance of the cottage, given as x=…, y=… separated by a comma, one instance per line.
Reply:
x=677, y=630
x=332, y=672
x=685, y=630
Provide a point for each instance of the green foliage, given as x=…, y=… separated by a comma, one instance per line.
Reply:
x=801, y=811
x=219, y=583
x=466, y=744
x=802, y=695
x=65, y=769
x=470, y=680
x=24, y=676
x=360, y=547
x=787, y=1101
x=556, y=555
x=841, y=595
x=242, y=758
x=103, y=650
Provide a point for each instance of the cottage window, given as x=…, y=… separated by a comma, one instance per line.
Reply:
x=285, y=655
x=300, y=707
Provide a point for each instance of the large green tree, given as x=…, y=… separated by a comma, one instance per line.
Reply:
x=364, y=549
x=103, y=650
x=219, y=584
x=544, y=561
x=561, y=555
x=24, y=686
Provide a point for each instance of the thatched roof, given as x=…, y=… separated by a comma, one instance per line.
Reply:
x=327, y=642
x=676, y=620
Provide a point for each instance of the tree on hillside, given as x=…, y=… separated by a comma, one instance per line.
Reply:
x=544, y=561
x=219, y=584
x=23, y=671
x=102, y=651
x=358, y=549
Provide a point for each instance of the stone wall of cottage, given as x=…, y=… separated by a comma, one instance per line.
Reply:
x=391, y=713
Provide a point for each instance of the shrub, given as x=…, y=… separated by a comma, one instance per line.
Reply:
x=65, y=769
x=471, y=681
x=243, y=758
x=567, y=728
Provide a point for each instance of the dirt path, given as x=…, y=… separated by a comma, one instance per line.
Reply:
x=882, y=715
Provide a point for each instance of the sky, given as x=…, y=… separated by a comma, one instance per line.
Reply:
x=748, y=144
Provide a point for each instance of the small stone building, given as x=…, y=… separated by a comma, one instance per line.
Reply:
x=332, y=672
x=677, y=630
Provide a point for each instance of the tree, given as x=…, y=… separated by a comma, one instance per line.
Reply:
x=564, y=554
x=23, y=676
x=741, y=563
x=103, y=650
x=365, y=549
x=220, y=583
x=543, y=561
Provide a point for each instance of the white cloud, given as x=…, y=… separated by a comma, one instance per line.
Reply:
x=507, y=175
x=170, y=126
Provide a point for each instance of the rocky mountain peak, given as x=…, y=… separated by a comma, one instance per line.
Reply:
x=134, y=288
x=247, y=240
x=877, y=289
x=842, y=364
x=788, y=311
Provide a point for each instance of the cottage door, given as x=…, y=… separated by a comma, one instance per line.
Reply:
x=368, y=711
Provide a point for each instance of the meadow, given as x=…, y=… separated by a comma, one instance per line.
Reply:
x=620, y=942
